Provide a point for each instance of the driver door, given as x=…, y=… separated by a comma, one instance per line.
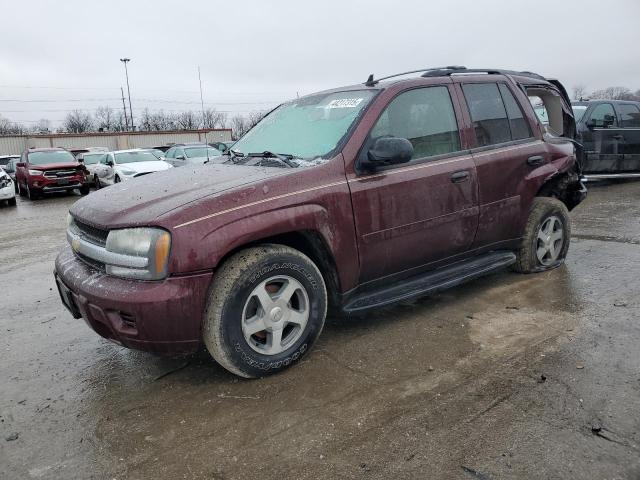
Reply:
x=414, y=214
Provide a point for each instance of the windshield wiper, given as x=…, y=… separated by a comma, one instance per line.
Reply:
x=283, y=157
x=234, y=155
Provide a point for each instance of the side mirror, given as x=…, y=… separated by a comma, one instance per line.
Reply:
x=109, y=163
x=608, y=120
x=80, y=160
x=180, y=157
x=389, y=151
x=21, y=165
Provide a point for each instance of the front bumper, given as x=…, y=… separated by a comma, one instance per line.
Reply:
x=8, y=192
x=160, y=317
x=46, y=185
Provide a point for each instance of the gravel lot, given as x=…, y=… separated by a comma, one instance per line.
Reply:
x=510, y=376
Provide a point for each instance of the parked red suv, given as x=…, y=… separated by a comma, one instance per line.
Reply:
x=46, y=170
x=351, y=198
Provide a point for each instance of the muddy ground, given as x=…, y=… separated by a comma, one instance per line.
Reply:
x=510, y=376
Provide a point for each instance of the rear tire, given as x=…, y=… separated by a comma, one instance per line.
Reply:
x=266, y=308
x=546, y=238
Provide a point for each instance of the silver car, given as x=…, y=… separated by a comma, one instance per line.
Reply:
x=195, y=154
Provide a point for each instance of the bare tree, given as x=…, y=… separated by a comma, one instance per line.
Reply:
x=187, y=121
x=104, y=118
x=7, y=127
x=579, y=92
x=162, y=121
x=238, y=126
x=254, y=118
x=145, y=120
x=77, y=121
x=213, y=119
x=119, y=122
x=613, y=93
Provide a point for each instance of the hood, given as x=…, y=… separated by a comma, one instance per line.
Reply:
x=141, y=167
x=56, y=166
x=142, y=200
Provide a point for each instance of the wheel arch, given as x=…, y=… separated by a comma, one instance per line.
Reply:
x=565, y=186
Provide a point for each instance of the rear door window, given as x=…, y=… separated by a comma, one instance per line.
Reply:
x=425, y=117
x=629, y=115
x=488, y=113
x=520, y=128
x=603, y=115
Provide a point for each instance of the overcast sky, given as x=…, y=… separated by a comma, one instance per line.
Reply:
x=56, y=56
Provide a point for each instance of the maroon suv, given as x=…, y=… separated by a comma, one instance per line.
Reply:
x=350, y=199
x=47, y=170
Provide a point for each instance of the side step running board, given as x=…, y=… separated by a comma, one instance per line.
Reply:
x=608, y=176
x=431, y=282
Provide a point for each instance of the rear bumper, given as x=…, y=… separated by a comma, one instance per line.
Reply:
x=161, y=317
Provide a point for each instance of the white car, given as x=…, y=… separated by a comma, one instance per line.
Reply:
x=7, y=189
x=123, y=165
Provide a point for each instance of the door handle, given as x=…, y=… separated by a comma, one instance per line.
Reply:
x=459, y=177
x=535, y=160
x=617, y=136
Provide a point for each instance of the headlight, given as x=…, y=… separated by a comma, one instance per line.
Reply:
x=35, y=172
x=152, y=244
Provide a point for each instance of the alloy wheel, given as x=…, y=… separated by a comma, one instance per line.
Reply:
x=550, y=240
x=275, y=315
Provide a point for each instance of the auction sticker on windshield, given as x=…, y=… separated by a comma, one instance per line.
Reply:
x=344, y=103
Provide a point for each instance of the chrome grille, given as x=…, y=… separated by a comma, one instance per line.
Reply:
x=59, y=173
x=92, y=234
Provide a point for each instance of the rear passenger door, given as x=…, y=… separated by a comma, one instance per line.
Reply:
x=505, y=153
x=416, y=213
x=629, y=115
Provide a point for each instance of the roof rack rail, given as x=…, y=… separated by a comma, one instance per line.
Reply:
x=371, y=81
x=448, y=71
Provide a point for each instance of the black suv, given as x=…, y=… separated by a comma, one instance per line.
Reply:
x=609, y=130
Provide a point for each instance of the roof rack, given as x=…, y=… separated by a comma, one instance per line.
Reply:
x=453, y=70
x=371, y=82
x=448, y=71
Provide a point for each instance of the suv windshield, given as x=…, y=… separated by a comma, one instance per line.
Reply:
x=199, y=152
x=54, y=156
x=132, y=157
x=92, y=158
x=309, y=127
x=578, y=111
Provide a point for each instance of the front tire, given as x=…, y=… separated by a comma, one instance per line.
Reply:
x=31, y=195
x=266, y=309
x=546, y=238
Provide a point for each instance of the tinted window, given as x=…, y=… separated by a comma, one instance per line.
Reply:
x=488, y=113
x=629, y=115
x=425, y=117
x=600, y=112
x=519, y=125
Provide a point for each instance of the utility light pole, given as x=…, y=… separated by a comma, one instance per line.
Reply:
x=126, y=72
x=124, y=108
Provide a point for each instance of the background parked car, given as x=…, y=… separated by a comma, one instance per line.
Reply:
x=47, y=170
x=5, y=159
x=609, y=131
x=7, y=190
x=191, y=154
x=10, y=168
x=122, y=165
x=91, y=160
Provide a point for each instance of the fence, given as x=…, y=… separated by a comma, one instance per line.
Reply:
x=113, y=141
